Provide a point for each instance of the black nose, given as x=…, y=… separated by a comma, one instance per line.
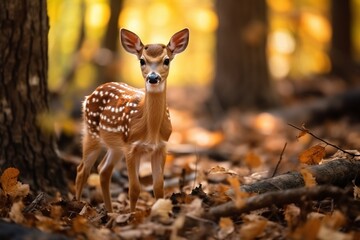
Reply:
x=153, y=78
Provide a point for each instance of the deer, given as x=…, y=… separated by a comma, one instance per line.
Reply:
x=130, y=123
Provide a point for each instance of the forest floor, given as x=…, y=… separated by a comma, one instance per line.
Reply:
x=209, y=170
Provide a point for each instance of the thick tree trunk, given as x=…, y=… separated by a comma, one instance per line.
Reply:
x=24, y=96
x=242, y=78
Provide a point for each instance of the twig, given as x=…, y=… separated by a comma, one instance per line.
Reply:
x=196, y=167
x=322, y=140
x=40, y=197
x=280, y=159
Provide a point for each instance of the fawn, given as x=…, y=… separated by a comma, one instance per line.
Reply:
x=130, y=122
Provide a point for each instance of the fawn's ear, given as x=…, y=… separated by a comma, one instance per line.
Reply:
x=179, y=41
x=131, y=42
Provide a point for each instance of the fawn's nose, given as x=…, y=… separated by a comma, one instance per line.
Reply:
x=153, y=78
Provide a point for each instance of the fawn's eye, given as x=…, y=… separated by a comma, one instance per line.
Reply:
x=166, y=62
x=142, y=62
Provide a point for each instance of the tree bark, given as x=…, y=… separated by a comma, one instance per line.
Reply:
x=24, y=143
x=341, y=50
x=242, y=79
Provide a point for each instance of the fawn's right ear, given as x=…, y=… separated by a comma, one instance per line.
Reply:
x=131, y=42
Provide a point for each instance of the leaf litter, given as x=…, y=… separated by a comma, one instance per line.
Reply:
x=201, y=168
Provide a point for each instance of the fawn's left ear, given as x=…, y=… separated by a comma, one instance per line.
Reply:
x=131, y=42
x=179, y=41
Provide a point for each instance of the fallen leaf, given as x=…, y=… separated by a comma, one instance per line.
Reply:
x=291, y=214
x=221, y=170
x=226, y=227
x=10, y=184
x=324, y=233
x=240, y=196
x=252, y=229
x=80, y=224
x=312, y=155
x=308, y=178
x=335, y=220
x=252, y=160
x=9, y=179
x=122, y=218
x=16, y=214
x=162, y=209
x=303, y=132
x=309, y=230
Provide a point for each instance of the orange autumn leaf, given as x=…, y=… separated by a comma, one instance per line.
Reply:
x=312, y=155
x=252, y=160
x=10, y=184
x=240, y=196
x=9, y=179
x=221, y=170
x=226, y=227
x=303, y=132
x=308, y=178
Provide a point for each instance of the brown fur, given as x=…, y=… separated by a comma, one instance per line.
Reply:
x=130, y=122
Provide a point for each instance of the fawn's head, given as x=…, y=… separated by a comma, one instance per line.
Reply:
x=154, y=58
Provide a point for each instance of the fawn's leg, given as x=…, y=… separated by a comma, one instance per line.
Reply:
x=91, y=151
x=157, y=168
x=105, y=169
x=132, y=163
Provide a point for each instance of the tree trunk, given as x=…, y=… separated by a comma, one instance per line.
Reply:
x=341, y=44
x=107, y=67
x=24, y=143
x=242, y=78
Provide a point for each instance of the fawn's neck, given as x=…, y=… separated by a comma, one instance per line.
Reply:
x=154, y=113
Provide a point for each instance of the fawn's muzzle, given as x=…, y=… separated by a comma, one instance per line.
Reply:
x=153, y=78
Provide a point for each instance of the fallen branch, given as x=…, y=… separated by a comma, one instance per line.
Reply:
x=278, y=198
x=338, y=172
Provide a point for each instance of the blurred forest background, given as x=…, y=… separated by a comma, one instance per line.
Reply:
x=300, y=40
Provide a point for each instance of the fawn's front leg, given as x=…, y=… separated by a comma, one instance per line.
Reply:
x=157, y=168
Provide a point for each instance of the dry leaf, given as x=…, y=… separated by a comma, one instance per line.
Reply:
x=10, y=184
x=291, y=214
x=221, y=170
x=240, y=196
x=252, y=160
x=324, y=233
x=303, y=132
x=226, y=227
x=308, y=231
x=80, y=224
x=335, y=221
x=195, y=208
x=16, y=214
x=252, y=229
x=312, y=155
x=9, y=179
x=162, y=209
x=308, y=178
